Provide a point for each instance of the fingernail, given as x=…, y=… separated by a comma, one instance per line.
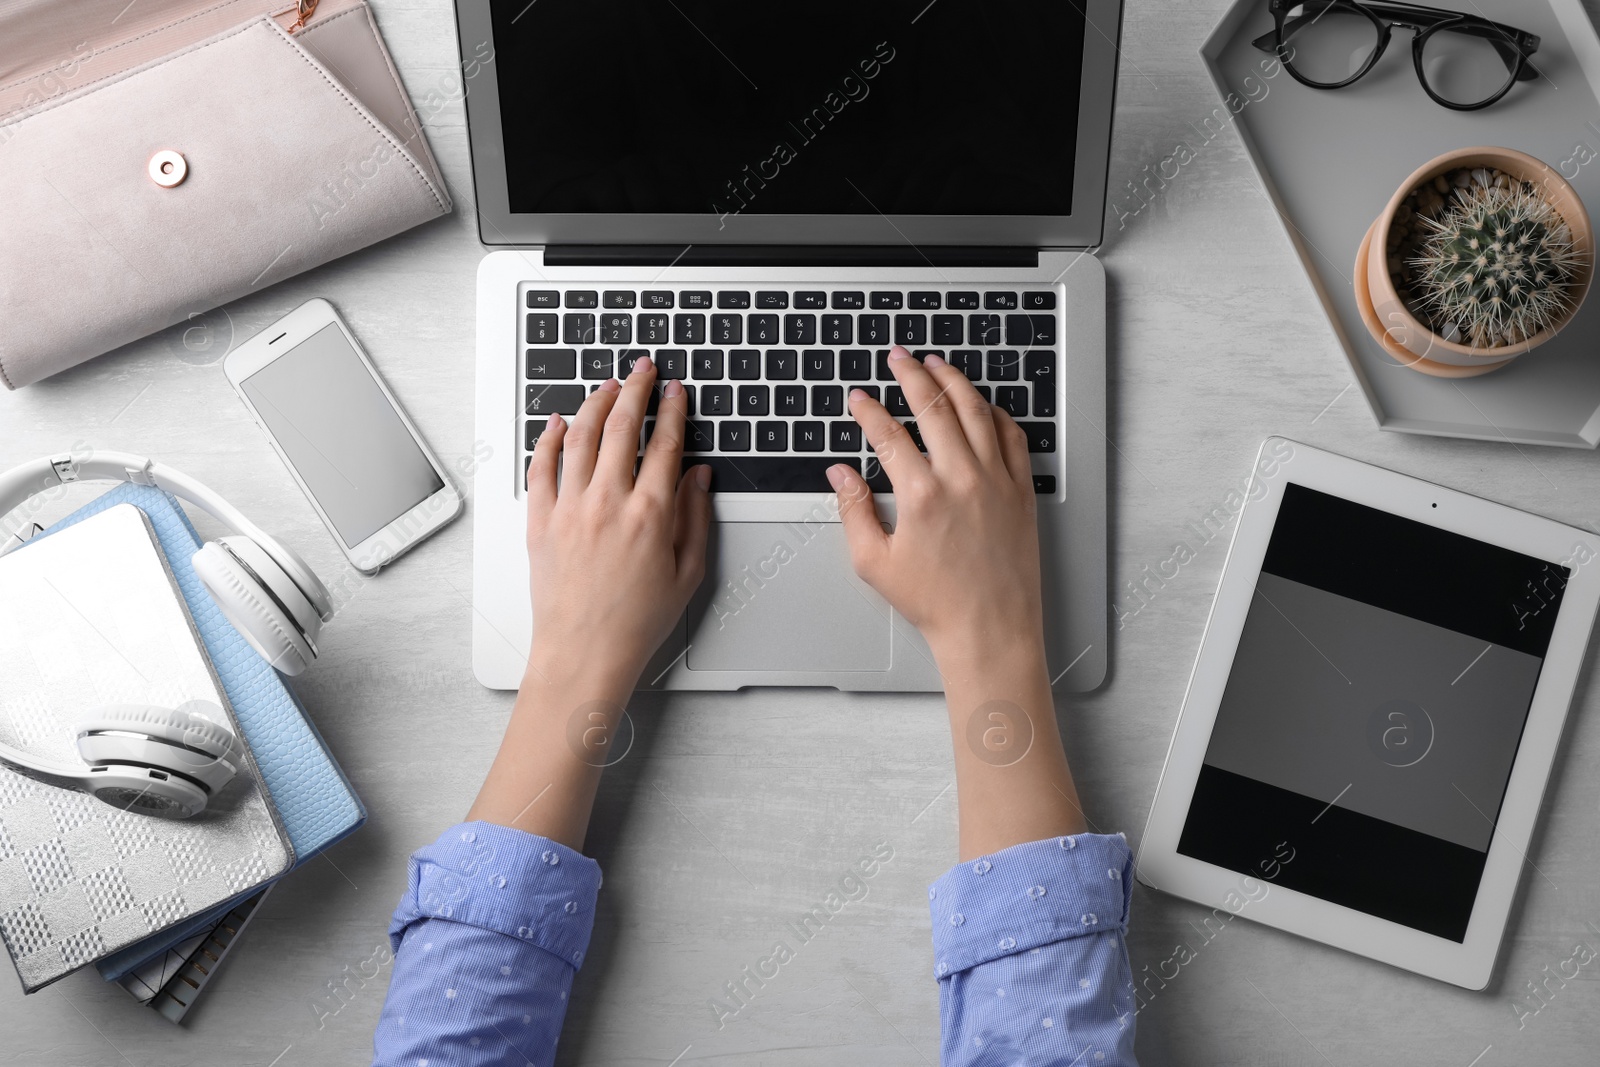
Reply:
x=857, y=392
x=674, y=388
x=897, y=353
x=836, y=476
x=610, y=385
x=702, y=476
x=932, y=360
x=639, y=365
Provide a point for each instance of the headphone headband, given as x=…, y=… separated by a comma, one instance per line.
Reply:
x=50, y=771
x=23, y=482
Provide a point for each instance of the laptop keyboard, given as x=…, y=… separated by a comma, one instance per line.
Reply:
x=767, y=371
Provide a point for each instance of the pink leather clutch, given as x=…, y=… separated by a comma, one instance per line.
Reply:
x=161, y=158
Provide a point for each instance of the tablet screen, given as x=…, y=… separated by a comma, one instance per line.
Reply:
x=1373, y=711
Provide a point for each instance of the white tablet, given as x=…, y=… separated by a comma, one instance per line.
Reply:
x=1373, y=713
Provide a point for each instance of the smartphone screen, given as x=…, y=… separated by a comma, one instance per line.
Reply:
x=342, y=435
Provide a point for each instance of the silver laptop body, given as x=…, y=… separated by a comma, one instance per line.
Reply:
x=626, y=225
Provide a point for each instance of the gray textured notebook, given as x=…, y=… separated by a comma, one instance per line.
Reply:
x=92, y=616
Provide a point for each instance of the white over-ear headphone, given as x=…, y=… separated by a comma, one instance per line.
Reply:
x=269, y=594
x=151, y=761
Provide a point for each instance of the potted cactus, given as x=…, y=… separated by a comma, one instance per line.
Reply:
x=1480, y=257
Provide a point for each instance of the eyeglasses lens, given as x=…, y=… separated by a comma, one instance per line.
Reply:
x=1329, y=42
x=1468, y=66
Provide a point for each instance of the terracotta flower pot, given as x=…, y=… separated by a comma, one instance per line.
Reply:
x=1409, y=340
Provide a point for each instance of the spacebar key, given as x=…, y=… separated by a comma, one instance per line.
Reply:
x=770, y=474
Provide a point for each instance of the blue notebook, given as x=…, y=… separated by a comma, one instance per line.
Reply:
x=314, y=799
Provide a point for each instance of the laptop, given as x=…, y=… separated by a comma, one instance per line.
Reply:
x=764, y=198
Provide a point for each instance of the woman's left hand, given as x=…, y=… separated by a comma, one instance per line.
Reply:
x=613, y=556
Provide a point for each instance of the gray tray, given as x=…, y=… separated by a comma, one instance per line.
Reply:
x=1330, y=161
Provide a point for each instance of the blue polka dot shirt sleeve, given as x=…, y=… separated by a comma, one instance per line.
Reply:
x=1030, y=955
x=493, y=926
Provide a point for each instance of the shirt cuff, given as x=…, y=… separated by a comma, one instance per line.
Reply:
x=1029, y=895
x=515, y=883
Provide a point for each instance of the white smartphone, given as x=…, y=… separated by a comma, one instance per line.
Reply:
x=329, y=416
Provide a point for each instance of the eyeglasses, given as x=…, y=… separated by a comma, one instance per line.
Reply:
x=1464, y=62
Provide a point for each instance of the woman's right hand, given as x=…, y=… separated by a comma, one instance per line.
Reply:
x=962, y=564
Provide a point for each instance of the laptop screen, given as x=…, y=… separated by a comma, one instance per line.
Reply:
x=948, y=107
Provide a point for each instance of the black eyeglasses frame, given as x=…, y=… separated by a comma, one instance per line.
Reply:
x=1515, y=46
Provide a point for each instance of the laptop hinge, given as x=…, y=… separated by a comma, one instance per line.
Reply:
x=567, y=255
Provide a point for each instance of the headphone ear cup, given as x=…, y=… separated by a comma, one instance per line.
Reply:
x=189, y=743
x=268, y=627
x=199, y=725
x=144, y=791
x=317, y=600
x=281, y=588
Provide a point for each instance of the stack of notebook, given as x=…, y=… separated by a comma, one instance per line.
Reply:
x=134, y=933
x=171, y=981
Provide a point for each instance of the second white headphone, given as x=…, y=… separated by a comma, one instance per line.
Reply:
x=167, y=762
x=272, y=597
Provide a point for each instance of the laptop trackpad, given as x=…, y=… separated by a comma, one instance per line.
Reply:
x=782, y=597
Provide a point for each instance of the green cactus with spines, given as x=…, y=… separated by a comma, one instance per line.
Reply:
x=1495, y=267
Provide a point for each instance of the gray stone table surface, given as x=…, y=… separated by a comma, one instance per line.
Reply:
x=736, y=813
